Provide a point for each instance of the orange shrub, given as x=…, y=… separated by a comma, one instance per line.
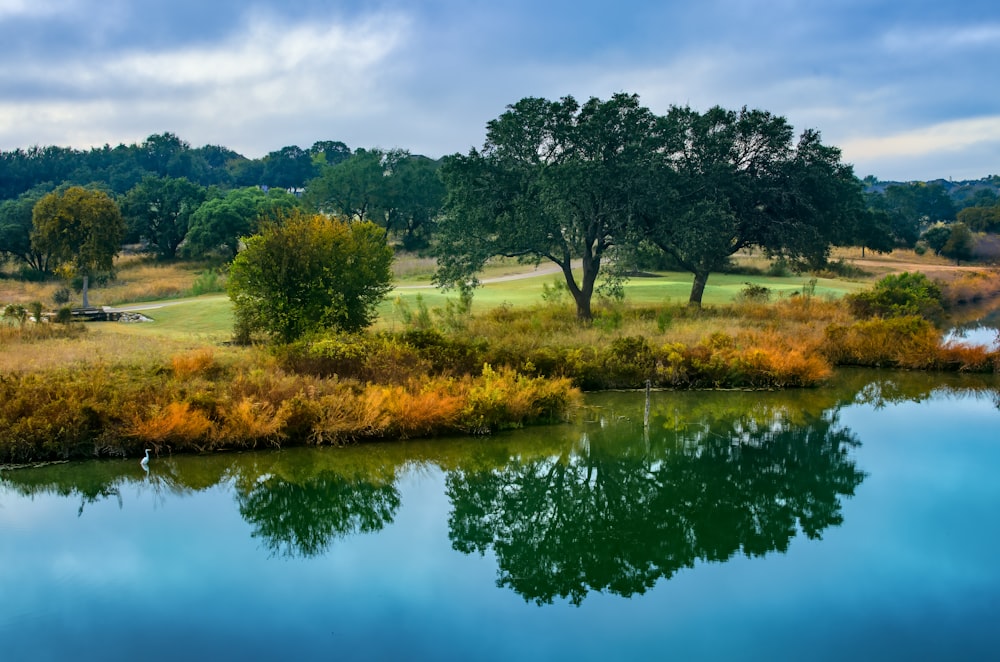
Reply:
x=177, y=423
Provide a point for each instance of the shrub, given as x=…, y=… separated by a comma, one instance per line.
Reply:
x=900, y=295
x=905, y=342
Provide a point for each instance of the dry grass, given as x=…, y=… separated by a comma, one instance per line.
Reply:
x=137, y=279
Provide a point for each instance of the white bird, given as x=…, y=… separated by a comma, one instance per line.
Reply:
x=145, y=461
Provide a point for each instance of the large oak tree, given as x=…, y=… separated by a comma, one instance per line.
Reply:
x=555, y=181
x=733, y=180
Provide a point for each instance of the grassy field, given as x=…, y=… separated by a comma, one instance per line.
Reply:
x=163, y=293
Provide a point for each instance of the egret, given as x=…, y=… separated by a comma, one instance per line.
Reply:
x=145, y=461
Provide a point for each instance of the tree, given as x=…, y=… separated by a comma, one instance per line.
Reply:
x=416, y=196
x=960, y=243
x=981, y=219
x=394, y=189
x=356, y=188
x=289, y=167
x=734, y=180
x=309, y=273
x=555, y=181
x=82, y=229
x=329, y=152
x=914, y=206
x=16, y=228
x=159, y=210
x=220, y=222
x=936, y=237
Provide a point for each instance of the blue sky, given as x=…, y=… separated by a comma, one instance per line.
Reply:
x=908, y=90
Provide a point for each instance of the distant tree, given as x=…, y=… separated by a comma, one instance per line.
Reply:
x=219, y=223
x=309, y=273
x=960, y=243
x=16, y=228
x=357, y=188
x=159, y=209
x=872, y=230
x=393, y=189
x=329, y=152
x=80, y=228
x=981, y=219
x=912, y=207
x=416, y=198
x=246, y=172
x=289, y=167
x=936, y=237
x=555, y=181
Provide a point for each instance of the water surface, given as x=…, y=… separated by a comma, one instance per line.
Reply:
x=857, y=521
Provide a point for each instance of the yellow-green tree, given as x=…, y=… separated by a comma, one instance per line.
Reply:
x=308, y=273
x=81, y=229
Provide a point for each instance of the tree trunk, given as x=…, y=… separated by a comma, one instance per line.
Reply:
x=698, y=288
x=583, y=293
x=86, y=303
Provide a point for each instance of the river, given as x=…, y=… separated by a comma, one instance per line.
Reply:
x=855, y=521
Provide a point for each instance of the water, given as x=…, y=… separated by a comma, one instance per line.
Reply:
x=857, y=521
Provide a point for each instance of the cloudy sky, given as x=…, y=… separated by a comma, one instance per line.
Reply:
x=908, y=90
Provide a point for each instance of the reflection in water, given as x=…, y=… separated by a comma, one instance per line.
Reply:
x=617, y=517
x=301, y=519
x=601, y=505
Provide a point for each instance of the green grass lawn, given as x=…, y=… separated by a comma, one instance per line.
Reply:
x=211, y=315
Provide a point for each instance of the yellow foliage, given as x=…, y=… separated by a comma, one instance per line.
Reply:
x=197, y=362
x=177, y=422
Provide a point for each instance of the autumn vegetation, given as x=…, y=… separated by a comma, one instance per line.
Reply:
x=298, y=249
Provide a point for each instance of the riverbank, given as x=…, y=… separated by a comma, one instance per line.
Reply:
x=73, y=391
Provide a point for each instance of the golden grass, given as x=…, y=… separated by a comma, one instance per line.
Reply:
x=137, y=279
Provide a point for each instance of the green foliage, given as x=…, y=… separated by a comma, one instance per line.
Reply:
x=307, y=274
x=218, y=223
x=960, y=243
x=936, y=236
x=61, y=296
x=555, y=181
x=899, y=295
x=393, y=189
x=79, y=228
x=208, y=282
x=981, y=219
x=734, y=180
x=158, y=210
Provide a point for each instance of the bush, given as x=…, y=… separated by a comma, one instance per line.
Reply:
x=900, y=295
x=308, y=274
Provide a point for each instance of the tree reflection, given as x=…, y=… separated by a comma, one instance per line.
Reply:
x=303, y=518
x=617, y=515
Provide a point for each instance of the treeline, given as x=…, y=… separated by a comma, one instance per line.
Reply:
x=735, y=180
x=179, y=201
x=940, y=215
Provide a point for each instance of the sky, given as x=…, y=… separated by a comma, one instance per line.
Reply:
x=907, y=89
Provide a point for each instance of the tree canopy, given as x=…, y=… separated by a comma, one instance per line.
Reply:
x=733, y=180
x=556, y=181
x=309, y=273
x=219, y=223
x=159, y=209
x=81, y=229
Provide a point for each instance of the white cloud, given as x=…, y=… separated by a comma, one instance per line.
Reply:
x=950, y=136
x=942, y=38
x=31, y=8
x=268, y=71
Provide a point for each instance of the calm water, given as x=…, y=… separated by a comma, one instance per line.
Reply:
x=853, y=522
